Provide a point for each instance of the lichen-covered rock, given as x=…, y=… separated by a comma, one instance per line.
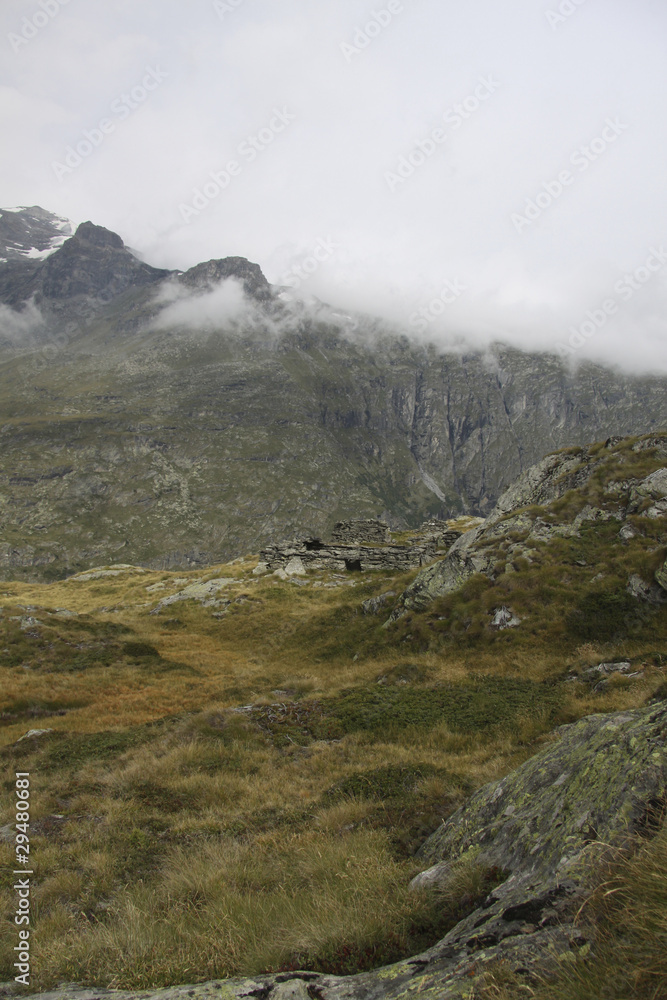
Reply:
x=661, y=576
x=204, y=593
x=374, y=605
x=594, y=783
x=602, y=779
x=649, y=497
x=652, y=593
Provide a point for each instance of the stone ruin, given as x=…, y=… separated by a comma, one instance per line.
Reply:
x=356, y=546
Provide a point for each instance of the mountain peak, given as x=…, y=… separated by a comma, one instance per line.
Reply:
x=98, y=236
x=44, y=257
x=207, y=275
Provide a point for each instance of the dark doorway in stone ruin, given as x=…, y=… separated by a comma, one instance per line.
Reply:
x=314, y=545
x=353, y=565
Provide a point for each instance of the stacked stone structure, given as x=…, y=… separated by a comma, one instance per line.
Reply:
x=356, y=546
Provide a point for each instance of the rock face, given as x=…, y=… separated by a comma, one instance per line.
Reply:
x=93, y=262
x=522, y=518
x=602, y=780
x=358, y=546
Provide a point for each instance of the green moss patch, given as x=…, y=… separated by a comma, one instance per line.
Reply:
x=481, y=704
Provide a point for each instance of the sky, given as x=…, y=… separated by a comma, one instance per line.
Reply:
x=478, y=172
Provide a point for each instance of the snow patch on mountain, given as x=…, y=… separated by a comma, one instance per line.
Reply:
x=31, y=233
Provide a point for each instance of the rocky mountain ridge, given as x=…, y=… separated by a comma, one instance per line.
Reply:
x=46, y=266
x=188, y=441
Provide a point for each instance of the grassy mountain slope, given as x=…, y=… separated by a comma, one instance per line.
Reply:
x=174, y=449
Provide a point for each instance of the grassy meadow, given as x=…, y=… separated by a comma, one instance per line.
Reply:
x=239, y=785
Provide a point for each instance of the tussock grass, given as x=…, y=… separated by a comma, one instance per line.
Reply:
x=322, y=890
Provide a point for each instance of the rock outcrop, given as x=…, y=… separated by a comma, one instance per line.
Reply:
x=523, y=517
x=599, y=782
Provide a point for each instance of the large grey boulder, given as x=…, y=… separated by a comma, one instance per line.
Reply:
x=544, y=482
x=595, y=782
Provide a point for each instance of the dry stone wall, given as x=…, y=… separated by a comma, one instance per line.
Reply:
x=357, y=546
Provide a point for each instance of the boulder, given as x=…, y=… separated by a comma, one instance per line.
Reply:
x=295, y=567
x=33, y=734
x=605, y=669
x=504, y=618
x=374, y=605
x=652, y=593
x=204, y=593
x=649, y=497
x=661, y=576
x=595, y=783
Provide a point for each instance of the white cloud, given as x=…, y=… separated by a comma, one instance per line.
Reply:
x=19, y=328
x=325, y=175
x=205, y=311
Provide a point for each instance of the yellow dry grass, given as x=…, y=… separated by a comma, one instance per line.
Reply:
x=296, y=840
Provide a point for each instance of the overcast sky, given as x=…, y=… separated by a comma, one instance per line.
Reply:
x=493, y=170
